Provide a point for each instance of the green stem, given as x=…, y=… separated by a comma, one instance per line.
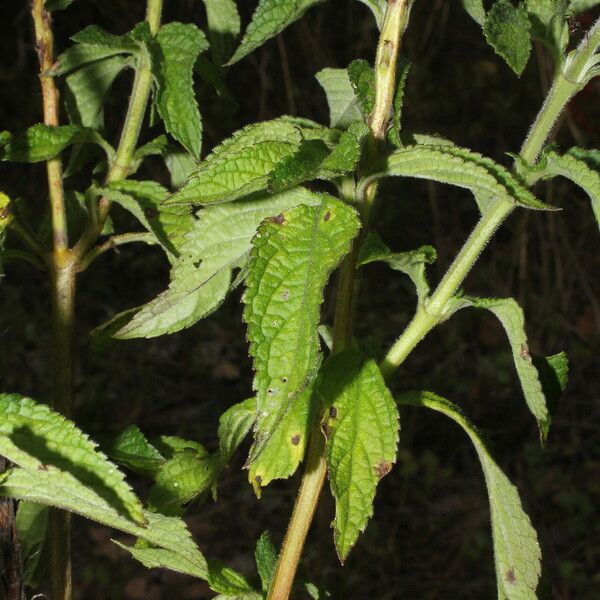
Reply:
x=566, y=84
x=120, y=167
x=315, y=473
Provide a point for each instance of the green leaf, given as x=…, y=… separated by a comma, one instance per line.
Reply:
x=554, y=375
x=42, y=441
x=516, y=550
x=412, y=263
x=361, y=425
x=234, y=426
x=345, y=155
x=549, y=25
x=42, y=142
x=54, y=5
x=292, y=257
x=270, y=18
x=460, y=167
x=133, y=450
x=223, y=27
x=180, y=165
x=82, y=55
x=510, y=314
x=362, y=78
x=181, y=480
x=579, y=6
x=6, y=215
x=192, y=294
x=394, y=132
x=506, y=29
x=177, y=47
x=31, y=522
x=476, y=9
x=144, y=199
x=265, y=556
x=378, y=8
x=581, y=167
x=241, y=164
x=343, y=105
x=128, y=43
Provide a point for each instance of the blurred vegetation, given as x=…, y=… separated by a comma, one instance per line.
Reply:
x=430, y=535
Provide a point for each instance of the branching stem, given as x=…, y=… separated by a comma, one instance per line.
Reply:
x=315, y=473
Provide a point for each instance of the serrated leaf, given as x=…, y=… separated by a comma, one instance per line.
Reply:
x=579, y=6
x=581, y=167
x=378, y=8
x=96, y=36
x=145, y=200
x=362, y=78
x=34, y=437
x=131, y=449
x=343, y=104
x=476, y=9
x=182, y=479
x=177, y=47
x=460, y=167
x=223, y=27
x=510, y=314
x=292, y=257
x=270, y=18
x=265, y=556
x=241, y=165
x=234, y=426
x=549, y=25
x=516, y=550
x=56, y=488
x=192, y=294
x=506, y=29
x=361, y=425
x=394, y=132
x=412, y=263
x=43, y=142
x=345, y=155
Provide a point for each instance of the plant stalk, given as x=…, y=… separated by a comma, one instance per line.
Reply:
x=121, y=165
x=307, y=499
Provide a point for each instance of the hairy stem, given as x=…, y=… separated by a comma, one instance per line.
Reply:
x=567, y=82
x=315, y=473
x=120, y=166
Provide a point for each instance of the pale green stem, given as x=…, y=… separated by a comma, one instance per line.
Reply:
x=315, y=473
x=566, y=84
x=120, y=167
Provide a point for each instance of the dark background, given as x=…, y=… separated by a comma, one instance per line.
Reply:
x=430, y=537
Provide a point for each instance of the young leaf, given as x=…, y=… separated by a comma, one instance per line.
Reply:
x=6, y=215
x=460, y=167
x=510, y=314
x=42, y=142
x=378, y=9
x=42, y=441
x=362, y=78
x=476, y=9
x=345, y=155
x=241, y=165
x=361, y=425
x=132, y=449
x=265, y=556
x=144, y=199
x=174, y=54
x=234, y=426
x=516, y=550
x=270, y=18
x=182, y=479
x=341, y=99
x=128, y=43
x=580, y=167
x=394, y=132
x=506, y=29
x=223, y=27
x=412, y=263
x=292, y=257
